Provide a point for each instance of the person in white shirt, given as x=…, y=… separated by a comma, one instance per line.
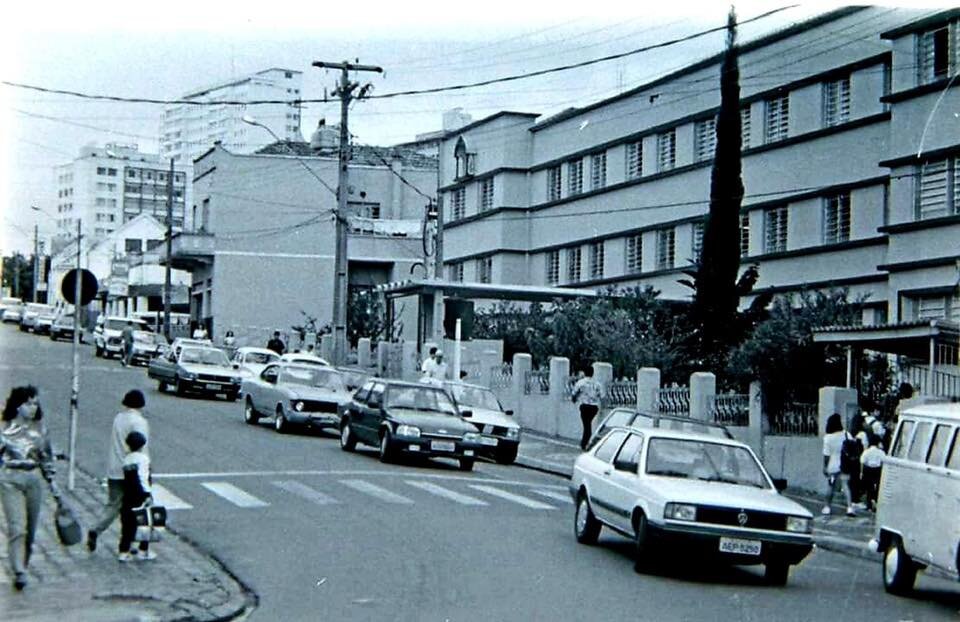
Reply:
x=872, y=462
x=136, y=493
x=200, y=332
x=429, y=363
x=832, y=445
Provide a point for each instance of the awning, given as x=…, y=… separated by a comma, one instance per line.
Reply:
x=482, y=291
x=910, y=339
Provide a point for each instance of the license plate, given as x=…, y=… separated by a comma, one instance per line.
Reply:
x=214, y=387
x=741, y=547
x=486, y=440
x=443, y=446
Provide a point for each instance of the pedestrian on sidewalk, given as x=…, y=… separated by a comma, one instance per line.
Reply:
x=857, y=432
x=26, y=468
x=129, y=420
x=276, y=344
x=872, y=463
x=136, y=494
x=127, y=336
x=832, y=446
x=587, y=394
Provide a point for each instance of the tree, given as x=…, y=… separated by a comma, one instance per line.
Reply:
x=18, y=276
x=365, y=315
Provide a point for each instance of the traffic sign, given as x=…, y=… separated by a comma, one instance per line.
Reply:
x=88, y=286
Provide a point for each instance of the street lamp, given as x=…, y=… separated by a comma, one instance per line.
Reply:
x=36, y=251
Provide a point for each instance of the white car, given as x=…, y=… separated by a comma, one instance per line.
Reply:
x=11, y=305
x=303, y=357
x=108, y=333
x=31, y=312
x=690, y=495
x=251, y=361
x=500, y=434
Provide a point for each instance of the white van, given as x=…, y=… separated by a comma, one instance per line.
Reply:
x=919, y=500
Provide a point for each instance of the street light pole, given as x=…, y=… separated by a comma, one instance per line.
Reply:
x=166, y=271
x=36, y=259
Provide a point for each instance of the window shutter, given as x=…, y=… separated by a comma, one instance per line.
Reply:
x=933, y=190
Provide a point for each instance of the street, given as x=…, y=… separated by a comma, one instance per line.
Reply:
x=321, y=534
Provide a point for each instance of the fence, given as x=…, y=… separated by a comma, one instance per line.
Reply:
x=795, y=419
x=674, y=401
x=621, y=392
x=537, y=381
x=501, y=376
x=941, y=383
x=732, y=409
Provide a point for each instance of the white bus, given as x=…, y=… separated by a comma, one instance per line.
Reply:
x=919, y=501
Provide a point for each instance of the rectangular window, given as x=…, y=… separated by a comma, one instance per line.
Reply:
x=934, y=52
x=745, y=127
x=634, y=254
x=485, y=269
x=598, y=170
x=154, y=244
x=697, y=246
x=937, y=307
x=486, y=194
x=455, y=271
x=836, y=218
x=596, y=260
x=744, y=235
x=553, y=267
x=775, y=230
x=573, y=264
x=133, y=246
x=938, y=193
x=667, y=150
x=666, y=248
x=575, y=177
x=458, y=204
x=836, y=102
x=635, y=160
x=705, y=139
x=101, y=170
x=553, y=183
x=111, y=172
x=777, y=118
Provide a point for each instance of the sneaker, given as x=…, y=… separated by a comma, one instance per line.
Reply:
x=124, y=557
x=826, y=510
x=145, y=556
x=91, y=540
x=851, y=511
x=20, y=582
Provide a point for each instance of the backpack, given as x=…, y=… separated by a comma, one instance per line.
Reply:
x=850, y=452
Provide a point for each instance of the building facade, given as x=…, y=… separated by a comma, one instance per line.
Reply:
x=188, y=130
x=834, y=113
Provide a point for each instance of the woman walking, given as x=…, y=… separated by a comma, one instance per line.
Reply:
x=832, y=448
x=26, y=467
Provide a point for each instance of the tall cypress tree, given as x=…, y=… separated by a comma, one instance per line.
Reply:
x=717, y=297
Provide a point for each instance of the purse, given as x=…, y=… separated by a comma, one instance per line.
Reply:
x=151, y=523
x=68, y=527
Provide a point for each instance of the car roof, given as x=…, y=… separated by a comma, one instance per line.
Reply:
x=306, y=366
x=679, y=434
x=406, y=383
x=455, y=383
x=942, y=410
x=246, y=349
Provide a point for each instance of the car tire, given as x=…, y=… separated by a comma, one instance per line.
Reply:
x=507, y=455
x=53, y=337
x=233, y=397
x=181, y=388
x=98, y=352
x=776, y=573
x=250, y=414
x=586, y=527
x=347, y=441
x=280, y=423
x=386, y=446
x=899, y=571
x=466, y=464
x=162, y=386
x=641, y=546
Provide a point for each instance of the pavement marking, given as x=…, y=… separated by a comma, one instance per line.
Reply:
x=552, y=494
x=305, y=492
x=162, y=496
x=509, y=496
x=234, y=495
x=447, y=494
x=375, y=491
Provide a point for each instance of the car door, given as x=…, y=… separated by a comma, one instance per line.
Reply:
x=935, y=540
x=264, y=393
x=600, y=483
x=373, y=411
x=354, y=408
x=624, y=481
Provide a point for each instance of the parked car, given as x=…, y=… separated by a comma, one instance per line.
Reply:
x=108, y=334
x=916, y=522
x=688, y=496
x=10, y=303
x=500, y=434
x=406, y=417
x=179, y=343
x=13, y=313
x=295, y=394
x=147, y=345
x=44, y=321
x=31, y=311
x=303, y=357
x=196, y=369
x=252, y=361
x=631, y=418
x=62, y=327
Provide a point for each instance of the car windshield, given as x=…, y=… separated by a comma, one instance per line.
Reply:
x=260, y=358
x=477, y=397
x=121, y=324
x=703, y=460
x=65, y=320
x=313, y=377
x=204, y=356
x=38, y=308
x=420, y=398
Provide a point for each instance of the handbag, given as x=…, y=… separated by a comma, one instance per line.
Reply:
x=68, y=527
x=151, y=523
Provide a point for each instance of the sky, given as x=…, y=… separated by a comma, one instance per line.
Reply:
x=164, y=50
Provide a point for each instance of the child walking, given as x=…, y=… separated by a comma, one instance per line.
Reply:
x=136, y=492
x=872, y=461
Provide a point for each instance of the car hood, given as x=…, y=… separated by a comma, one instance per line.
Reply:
x=485, y=416
x=316, y=393
x=196, y=368
x=726, y=495
x=430, y=422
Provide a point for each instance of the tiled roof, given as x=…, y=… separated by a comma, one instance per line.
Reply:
x=360, y=154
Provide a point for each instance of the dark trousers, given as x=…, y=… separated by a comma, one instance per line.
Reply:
x=587, y=413
x=128, y=528
x=870, y=483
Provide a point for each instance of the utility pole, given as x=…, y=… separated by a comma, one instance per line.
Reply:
x=166, y=271
x=36, y=260
x=345, y=91
x=75, y=385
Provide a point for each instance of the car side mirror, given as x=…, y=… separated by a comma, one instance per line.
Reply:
x=236, y=365
x=780, y=483
x=374, y=403
x=466, y=414
x=508, y=412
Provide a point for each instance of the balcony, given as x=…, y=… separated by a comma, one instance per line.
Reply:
x=190, y=251
x=383, y=240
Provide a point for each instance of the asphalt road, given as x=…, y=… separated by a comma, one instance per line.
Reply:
x=320, y=534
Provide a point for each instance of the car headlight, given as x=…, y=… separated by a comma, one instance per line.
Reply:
x=298, y=405
x=471, y=437
x=798, y=524
x=408, y=430
x=513, y=432
x=680, y=511
x=188, y=375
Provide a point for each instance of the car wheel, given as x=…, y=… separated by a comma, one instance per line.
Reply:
x=181, y=387
x=386, y=446
x=99, y=352
x=466, y=464
x=250, y=414
x=507, y=455
x=776, y=573
x=640, y=545
x=899, y=571
x=232, y=397
x=53, y=337
x=161, y=386
x=347, y=442
x=280, y=422
x=585, y=525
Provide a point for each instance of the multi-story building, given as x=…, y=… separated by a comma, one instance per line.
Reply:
x=262, y=246
x=850, y=153
x=188, y=130
x=108, y=186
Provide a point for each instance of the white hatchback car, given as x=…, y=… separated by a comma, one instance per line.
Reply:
x=677, y=492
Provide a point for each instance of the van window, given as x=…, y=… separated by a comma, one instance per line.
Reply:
x=941, y=442
x=900, y=445
x=918, y=446
x=953, y=462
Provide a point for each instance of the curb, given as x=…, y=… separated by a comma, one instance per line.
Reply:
x=532, y=464
x=846, y=546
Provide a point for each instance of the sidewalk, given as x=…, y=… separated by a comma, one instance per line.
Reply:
x=183, y=583
x=837, y=532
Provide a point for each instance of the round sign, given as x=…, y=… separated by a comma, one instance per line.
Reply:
x=88, y=286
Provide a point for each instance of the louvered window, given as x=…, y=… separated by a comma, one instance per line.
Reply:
x=635, y=160
x=775, y=230
x=836, y=102
x=553, y=267
x=667, y=150
x=458, y=205
x=596, y=260
x=745, y=127
x=936, y=51
x=705, y=139
x=697, y=246
x=634, y=254
x=666, y=248
x=553, y=183
x=455, y=271
x=575, y=177
x=778, y=118
x=573, y=264
x=744, y=235
x=598, y=170
x=485, y=269
x=836, y=218
x=486, y=194
x=937, y=194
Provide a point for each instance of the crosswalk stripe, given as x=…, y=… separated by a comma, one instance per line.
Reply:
x=305, y=492
x=509, y=496
x=234, y=495
x=162, y=496
x=375, y=491
x=445, y=493
x=552, y=494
